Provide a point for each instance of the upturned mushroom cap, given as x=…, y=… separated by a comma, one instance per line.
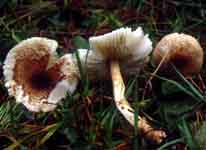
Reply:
x=129, y=48
x=181, y=50
x=36, y=77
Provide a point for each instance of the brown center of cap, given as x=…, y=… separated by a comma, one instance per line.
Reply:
x=32, y=74
x=41, y=81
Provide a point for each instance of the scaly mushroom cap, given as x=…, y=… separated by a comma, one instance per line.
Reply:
x=181, y=50
x=129, y=48
x=36, y=77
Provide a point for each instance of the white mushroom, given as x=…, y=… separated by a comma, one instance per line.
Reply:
x=36, y=77
x=181, y=50
x=122, y=50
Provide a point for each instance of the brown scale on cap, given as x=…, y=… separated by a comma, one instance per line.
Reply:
x=181, y=50
x=36, y=77
x=38, y=81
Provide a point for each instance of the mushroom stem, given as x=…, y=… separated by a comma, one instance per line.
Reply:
x=124, y=107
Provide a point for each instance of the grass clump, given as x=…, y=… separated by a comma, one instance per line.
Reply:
x=88, y=119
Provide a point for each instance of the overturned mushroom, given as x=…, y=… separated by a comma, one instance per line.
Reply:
x=181, y=50
x=36, y=77
x=125, y=50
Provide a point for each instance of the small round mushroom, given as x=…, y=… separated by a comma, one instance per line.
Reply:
x=122, y=50
x=181, y=50
x=36, y=77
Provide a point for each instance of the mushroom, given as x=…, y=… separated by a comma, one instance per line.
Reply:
x=122, y=50
x=36, y=77
x=181, y=50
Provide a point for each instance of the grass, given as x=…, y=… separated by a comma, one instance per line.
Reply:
x=88, y=119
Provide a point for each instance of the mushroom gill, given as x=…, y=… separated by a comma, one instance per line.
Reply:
x=119, y=53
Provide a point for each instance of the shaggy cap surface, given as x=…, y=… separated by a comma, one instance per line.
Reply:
x=36, y=77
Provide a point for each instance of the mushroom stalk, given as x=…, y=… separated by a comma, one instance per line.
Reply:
x=123, y=106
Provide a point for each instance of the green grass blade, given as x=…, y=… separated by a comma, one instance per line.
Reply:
x=193, y=89
x=170, y=143
x=180, y=87
x=186, y=133
x=50, y=132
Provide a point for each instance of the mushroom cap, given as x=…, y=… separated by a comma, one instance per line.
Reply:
x=36, y=77
x=129, y=48
x=182, y=50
